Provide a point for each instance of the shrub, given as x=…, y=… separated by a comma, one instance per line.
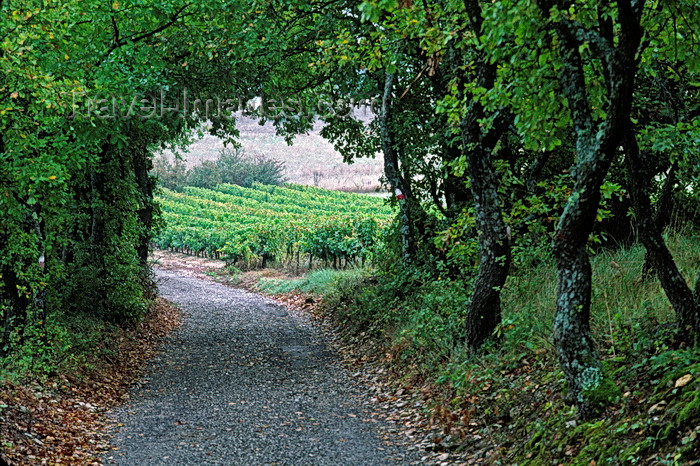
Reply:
x=170, y=175
x=232, y=166
x=206, y=175
x=239, y=169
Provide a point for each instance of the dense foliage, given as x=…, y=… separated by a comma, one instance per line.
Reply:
x=512, y=132
x=232, y=167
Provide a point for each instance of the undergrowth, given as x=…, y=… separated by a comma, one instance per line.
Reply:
x=318, y=282
x=57, y=385
x=64, y=344
x=514, y=389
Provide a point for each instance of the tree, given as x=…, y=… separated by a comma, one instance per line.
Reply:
x=666, y=115
x=613, y=33
x=75, y=141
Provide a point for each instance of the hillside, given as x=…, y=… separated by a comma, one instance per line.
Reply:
x=264, y=225
x=310, y=160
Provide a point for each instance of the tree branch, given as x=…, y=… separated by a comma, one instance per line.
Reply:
x=115, y=28
x=137, y=38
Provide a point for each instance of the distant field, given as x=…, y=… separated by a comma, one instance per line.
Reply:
x=259, y=226
x=310, y=161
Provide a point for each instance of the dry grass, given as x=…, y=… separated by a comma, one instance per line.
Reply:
x=311, y=160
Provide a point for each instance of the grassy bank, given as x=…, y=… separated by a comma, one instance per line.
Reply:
x=508, y=405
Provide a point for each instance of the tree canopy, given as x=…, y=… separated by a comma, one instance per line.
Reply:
x=509, y=130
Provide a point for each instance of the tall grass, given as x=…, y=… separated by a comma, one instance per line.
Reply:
x=318, y=282
x=621, y=297
x=509, y=401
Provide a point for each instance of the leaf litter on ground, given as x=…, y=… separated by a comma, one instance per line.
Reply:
x=62, y=420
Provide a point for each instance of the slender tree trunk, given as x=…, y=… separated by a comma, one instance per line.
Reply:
x=484, y=308
x=534, y=170
x=596, y=145
x=141, y=166
x=391, y=171
x=39, y=296
x=661, y=214
x=457, y=195
x=677, y=290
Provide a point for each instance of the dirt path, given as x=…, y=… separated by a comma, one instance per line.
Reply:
x=247, y=381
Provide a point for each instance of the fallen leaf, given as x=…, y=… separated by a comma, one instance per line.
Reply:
x=683, y=381
x=657, y=408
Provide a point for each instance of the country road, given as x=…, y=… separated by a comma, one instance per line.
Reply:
x=246, y=381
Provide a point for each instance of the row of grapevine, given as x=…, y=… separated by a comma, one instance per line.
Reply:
x=257, y=226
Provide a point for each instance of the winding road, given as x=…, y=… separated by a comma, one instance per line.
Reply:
x=246, y=381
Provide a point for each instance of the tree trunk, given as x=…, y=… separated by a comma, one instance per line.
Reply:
x=578, y=356
x=661, y=261
x=484, y=308
x=457, y=195
x=596, y=144
x=661, y=213
x=391, y=171
x=39, y=296
x=141, y=167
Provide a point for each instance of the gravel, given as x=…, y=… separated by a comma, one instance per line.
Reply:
x=247, y=381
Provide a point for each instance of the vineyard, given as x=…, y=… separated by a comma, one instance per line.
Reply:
x=262, y=225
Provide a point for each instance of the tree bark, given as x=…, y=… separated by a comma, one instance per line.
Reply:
x=141, y=166
x=391, y=170
x=660, y=258
x=457, y=195
x=596, y=144
x=661, y=213
x=484, y=308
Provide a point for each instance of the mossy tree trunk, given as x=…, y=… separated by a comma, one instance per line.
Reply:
x=484, y=308
x=479, y=141
x=596, y=146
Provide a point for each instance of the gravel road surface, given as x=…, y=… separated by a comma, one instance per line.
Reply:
x=246, y=381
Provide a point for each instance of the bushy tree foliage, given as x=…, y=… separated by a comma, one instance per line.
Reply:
x=75, y=138
x=508, y=99
x=232, y=167
x=508, y=129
